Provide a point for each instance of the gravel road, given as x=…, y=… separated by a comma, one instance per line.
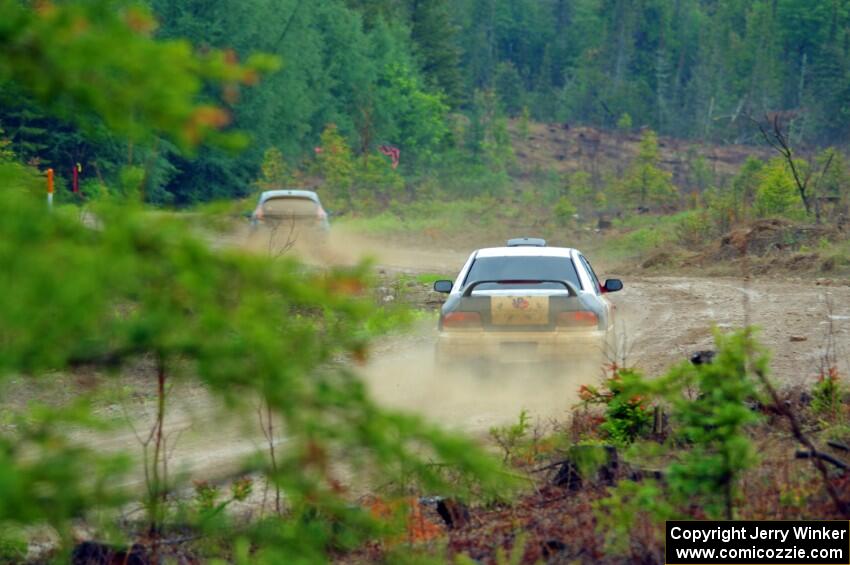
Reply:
x=662, y=320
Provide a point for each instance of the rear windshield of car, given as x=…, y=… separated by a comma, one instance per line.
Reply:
x=522, y=269
x=290, y=206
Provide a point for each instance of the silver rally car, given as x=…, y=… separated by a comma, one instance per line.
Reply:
x=524, y=302
x=301, y=207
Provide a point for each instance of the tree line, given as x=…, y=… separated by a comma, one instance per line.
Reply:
x=432, y=78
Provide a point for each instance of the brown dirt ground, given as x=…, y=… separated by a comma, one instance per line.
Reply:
x=567, y=148
x=661, y=321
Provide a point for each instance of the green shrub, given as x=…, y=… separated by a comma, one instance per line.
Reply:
x=709, y=416
x=640, y=236
x=627, y=415
x=130, y=181
x=626, y=419
x=274, y=172
x=828, y=394
x=645, y=183
x=429, y=278
x=376, y=179
x=336, y=165
x=13, y=545
x=508, y=437
x=583, y=194
x=693, y=228
x=723, y=208
x=564, y=212
x=776, y=194
x=93, y=189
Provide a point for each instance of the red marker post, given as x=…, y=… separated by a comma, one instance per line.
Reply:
x=50, y=188
x=76, y=178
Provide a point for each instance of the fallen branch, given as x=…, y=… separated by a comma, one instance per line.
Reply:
x=824, y=456
x=550, y=466
x=838, y=446
x=783, y=410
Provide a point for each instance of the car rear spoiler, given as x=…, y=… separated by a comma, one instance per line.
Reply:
x=571, y=290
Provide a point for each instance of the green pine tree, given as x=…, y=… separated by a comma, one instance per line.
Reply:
x=434, y=35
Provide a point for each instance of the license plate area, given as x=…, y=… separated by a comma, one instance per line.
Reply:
x=519, y=310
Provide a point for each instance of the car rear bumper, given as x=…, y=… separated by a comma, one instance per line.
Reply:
x=284, y=225
x=516, y=347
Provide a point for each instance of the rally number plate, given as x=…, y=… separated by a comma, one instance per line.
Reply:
x=519, y=310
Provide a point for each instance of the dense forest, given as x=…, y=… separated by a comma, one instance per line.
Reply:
x=436, y=79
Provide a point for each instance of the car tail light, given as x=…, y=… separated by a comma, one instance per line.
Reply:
x=456, y=320
x=258, y=213
x=321, y=214
x=578, y=319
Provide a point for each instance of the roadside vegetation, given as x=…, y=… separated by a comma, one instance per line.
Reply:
x=157, y=109
x=132, y=288
x=712, y=440
x=656, y=212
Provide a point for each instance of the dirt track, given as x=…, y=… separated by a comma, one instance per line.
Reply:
x=671, y=317
x=662, y=320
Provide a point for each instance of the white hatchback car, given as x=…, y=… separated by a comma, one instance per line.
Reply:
x=524, y=302
x=299, y=207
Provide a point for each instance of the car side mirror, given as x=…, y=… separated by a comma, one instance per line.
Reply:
x=443, y=286
x=612, y=285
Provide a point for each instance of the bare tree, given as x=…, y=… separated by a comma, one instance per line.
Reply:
x=779, y=141
x=291, y=237
x=264, y=411
x=266, y=417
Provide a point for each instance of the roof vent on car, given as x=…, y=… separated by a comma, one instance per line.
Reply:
x=526, y=242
